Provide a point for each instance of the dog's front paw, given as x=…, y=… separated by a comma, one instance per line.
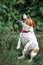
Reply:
x=18, y=47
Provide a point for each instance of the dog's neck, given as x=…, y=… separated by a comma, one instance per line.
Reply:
x=27, y=28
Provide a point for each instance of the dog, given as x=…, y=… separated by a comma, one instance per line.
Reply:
x=28, y=38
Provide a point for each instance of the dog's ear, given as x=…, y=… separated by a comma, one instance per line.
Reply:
x=32, y=24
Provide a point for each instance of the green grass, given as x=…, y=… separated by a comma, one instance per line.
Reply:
x=9, y=57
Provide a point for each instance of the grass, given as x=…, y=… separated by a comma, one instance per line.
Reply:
x=9, y=57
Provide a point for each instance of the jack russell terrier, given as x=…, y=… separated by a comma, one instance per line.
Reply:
x=28, y=38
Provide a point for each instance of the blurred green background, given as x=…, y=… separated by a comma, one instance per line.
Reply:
x=10, y=14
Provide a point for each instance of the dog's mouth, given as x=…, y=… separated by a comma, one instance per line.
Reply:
x=22, y=20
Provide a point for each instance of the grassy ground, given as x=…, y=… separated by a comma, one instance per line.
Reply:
x=9, y=54
x=38, y=60
x=9, y=57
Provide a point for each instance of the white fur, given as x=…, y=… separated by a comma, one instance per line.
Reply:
x=32, y=56
x=24, y=16
x=28, y=40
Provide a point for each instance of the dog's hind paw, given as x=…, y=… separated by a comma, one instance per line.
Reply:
x=21, y=57
x=30, y=60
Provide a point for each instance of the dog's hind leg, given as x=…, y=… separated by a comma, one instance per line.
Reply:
x=25, y=50
x=23, y=54
x=32, y=55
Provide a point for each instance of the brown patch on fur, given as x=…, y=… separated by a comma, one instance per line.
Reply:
x=29, y=22
x=35, y=50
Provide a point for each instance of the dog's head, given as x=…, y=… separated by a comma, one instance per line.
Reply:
x=27, y=20
x=24, y=17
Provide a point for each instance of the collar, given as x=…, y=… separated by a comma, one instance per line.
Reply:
x=25, y=31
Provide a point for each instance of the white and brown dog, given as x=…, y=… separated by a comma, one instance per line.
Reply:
x=28, y=38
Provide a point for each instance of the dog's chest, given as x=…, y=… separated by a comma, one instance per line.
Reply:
x=25, y=38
